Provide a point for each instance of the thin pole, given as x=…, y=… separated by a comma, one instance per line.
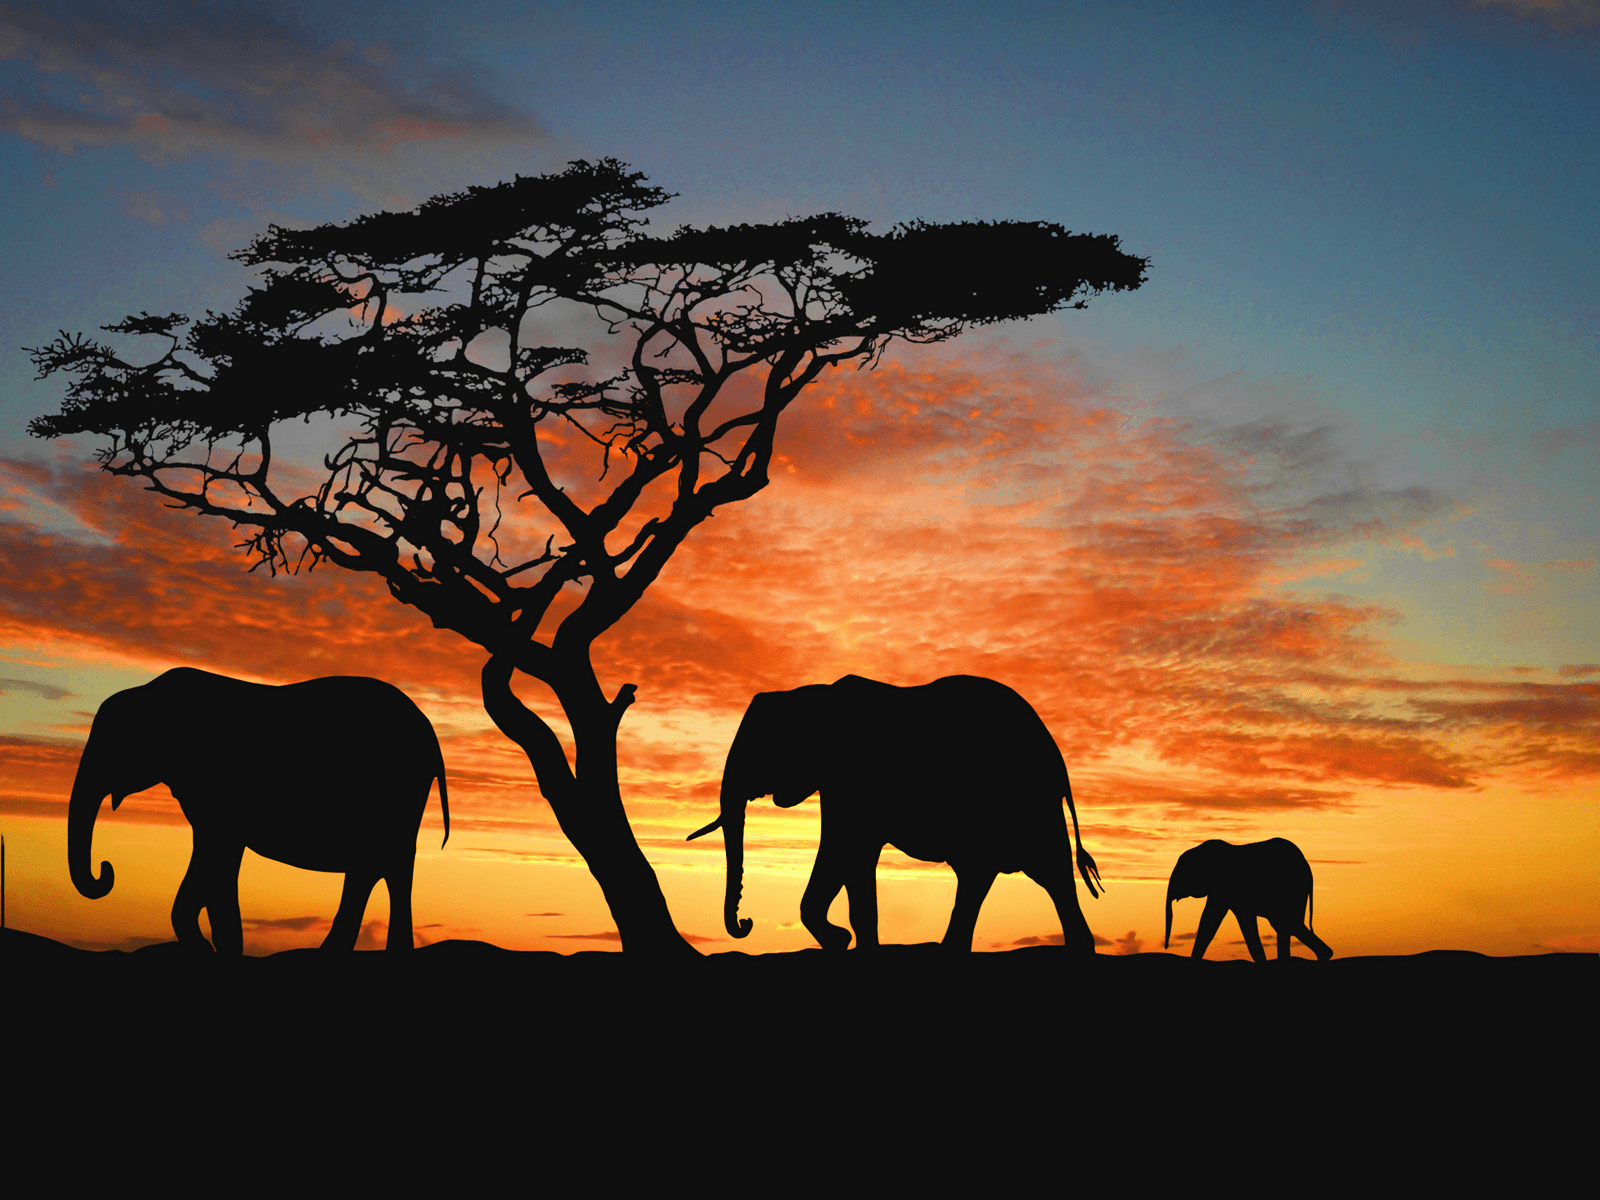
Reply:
x=2, y=881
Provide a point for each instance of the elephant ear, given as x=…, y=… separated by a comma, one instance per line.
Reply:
x=753, y=758
x=818, y=736
x=782, y=747
x=1183, y=872
x=787, y=741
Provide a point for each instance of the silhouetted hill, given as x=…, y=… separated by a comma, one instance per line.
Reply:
x=915, y=987
x=1023, y=1044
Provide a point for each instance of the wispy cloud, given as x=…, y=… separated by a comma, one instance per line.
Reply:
x=269, y=101
x=1559, y=14
x=292, y=924
x=1582, y=943
x=1515, y=578
x=47, y=690
x=155, y=207
x=1050, y=939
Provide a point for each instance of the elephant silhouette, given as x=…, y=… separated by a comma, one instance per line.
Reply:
x=365, y=758
x=960, y=770
x=1261, y=879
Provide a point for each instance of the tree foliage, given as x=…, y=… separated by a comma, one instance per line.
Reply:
x=417, y=334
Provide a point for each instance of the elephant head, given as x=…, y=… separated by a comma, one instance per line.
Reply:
x=1193, y=875
x=119, y=759
x=779, y=751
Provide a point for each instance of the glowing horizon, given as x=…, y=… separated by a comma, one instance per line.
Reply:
x=985, y=512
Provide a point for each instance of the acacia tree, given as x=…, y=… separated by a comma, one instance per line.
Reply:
x=416, y=335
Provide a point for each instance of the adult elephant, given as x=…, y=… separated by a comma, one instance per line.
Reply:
x=1268, y=879
x=328, y=775
x=960, y=770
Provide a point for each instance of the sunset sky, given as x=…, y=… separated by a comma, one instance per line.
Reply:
x=1297, y=540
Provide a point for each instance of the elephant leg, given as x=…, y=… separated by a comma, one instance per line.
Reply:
x=1252, y=935
x=972, y=886
x=1313, y=943
x=861, y=885
x=190, y=900
x=1055, y=877
x=1210, y=922
x=358, y=885
x=398, y=881
x=1284, y=930
x=827, y=877
x=222, y=898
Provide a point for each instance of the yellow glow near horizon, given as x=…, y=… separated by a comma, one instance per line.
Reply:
x=1133, y=585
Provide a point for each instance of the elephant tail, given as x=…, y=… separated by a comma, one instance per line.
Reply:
x=444, y=795
x=1086, y=863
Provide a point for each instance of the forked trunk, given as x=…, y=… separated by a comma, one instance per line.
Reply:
x=588, y=806
x=596, y=822
x=598, y=828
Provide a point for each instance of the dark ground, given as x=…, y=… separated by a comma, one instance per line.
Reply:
x=1012, y=1051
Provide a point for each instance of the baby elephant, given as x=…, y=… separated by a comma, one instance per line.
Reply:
x=1268, y=879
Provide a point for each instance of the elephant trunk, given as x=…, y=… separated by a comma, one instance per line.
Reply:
x=733, y=845
x=1172, y=895
x=89, y=790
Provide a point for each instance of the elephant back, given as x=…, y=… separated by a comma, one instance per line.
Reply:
x=976, y=768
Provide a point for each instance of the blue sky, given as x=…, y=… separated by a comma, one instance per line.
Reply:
x=1372, y=222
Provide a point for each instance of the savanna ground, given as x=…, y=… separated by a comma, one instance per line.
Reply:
x=1124, y=1035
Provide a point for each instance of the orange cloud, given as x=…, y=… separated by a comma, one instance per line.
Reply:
x=1524, y=577
x=36, y=775
x=168, y=589
x=937, y=516
x=934, y=516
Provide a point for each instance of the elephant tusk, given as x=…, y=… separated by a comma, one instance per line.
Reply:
x=717, y=824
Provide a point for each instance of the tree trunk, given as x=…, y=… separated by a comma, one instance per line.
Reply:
x=588, y=805
x=596, y=823
x=598, y=829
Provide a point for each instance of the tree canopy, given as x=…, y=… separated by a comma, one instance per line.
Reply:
x=418, y=335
